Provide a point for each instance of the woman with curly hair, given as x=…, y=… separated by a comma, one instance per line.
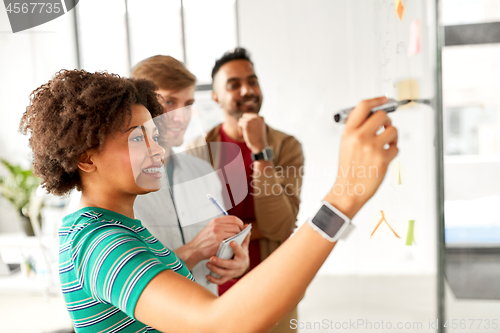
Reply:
x=95, y=132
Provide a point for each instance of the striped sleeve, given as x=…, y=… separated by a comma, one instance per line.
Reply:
x=113, y=265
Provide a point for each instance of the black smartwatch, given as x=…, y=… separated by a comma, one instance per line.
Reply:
x=331, y=223
x=266, y=154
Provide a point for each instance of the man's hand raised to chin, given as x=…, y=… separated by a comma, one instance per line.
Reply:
x=253, y=130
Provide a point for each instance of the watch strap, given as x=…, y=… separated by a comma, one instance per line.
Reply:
x=265, y=155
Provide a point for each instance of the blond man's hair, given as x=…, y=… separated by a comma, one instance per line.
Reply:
x=166, y=72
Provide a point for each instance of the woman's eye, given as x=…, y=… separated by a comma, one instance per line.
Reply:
x=138, y=138
x=156, y=138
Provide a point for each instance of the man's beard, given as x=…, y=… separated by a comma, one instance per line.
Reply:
x=238, y=114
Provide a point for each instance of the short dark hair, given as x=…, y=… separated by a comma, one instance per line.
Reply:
x=235, y=54
x=75, y=112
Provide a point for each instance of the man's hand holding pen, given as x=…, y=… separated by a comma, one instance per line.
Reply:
x=206, y=243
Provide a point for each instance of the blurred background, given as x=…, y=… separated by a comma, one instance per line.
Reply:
x=312, y=58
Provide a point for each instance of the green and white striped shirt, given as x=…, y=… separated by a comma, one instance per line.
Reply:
x=105, y=261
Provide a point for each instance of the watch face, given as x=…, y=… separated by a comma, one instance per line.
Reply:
x=268, y=153
x=328, y=221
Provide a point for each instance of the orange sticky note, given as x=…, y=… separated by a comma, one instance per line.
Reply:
x=414, y=44
x=380, y=222
x=399, y=8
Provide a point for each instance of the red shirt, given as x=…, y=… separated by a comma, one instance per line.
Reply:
x=245, y=209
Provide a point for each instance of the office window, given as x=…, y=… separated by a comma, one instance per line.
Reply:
x=210, y=30
x=457, y=12
x=470, y=77
x=155, y=27
x=115, y=35
x=470, y=93
x=471, y=111
x=102, y=36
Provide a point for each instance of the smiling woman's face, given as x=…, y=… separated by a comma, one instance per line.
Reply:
x=131, y=160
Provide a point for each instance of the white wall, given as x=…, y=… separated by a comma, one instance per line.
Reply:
x=27, y=60
x=315, y=57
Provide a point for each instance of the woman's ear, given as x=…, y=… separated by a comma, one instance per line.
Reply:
x=86, y=163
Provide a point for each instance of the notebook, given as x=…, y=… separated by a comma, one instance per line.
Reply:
x=225, y=251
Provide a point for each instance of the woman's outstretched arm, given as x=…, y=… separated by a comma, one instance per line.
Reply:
x=172, y=303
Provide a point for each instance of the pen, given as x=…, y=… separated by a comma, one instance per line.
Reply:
x=390, y=106
x=216, y=204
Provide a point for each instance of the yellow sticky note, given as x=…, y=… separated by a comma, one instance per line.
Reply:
x=407, y=89
x=399, y=8
x=397, y=173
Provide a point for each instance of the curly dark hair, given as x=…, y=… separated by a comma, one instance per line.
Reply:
x=75, y=112
x=235, y=54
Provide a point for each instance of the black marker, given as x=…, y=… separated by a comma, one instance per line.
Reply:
x=390, y=106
